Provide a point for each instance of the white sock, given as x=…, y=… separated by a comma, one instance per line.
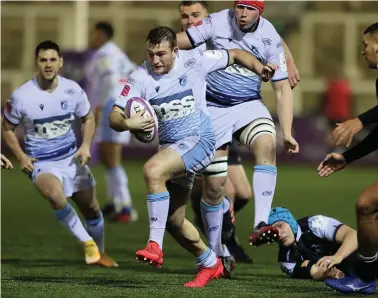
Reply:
x=212, y=217
x=95, y=228
x=207, y=259
x=158, y=207
x=264, y=185
x=69, y=218
x=118, y=189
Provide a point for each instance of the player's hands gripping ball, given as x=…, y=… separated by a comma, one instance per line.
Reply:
x=268, y=71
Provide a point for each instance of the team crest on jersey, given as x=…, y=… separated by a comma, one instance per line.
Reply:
x=64, y=104
x=183, y=80
x=70, y=91
x=267, y=41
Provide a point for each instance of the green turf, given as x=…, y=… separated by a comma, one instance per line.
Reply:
x=40, y=259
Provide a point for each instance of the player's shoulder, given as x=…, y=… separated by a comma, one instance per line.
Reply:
x=23, y=92
x=222, y=16
x=266, y=27
x=318, y=221
x=140, y=75
x=70, y=87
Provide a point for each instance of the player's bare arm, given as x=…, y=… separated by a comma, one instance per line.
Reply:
x=347, y=238
x=247, y=60
x=284, y=96
x=317, y=274
x=10, y=138
x=183, y=41
x=88, y=129
x=292, y=70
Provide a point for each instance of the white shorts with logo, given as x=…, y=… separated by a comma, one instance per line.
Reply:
x=228, y=120
x=73, y=177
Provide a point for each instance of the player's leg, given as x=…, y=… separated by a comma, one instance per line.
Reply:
x=187, y=235
x=238, y=178
x=367, y=233
x=84, y=195
x=49, y=183
x=195, y=201
x=259, y=137
x=160, y=168
x=119, y=207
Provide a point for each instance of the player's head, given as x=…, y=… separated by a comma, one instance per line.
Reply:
x=247, y=13
x=101, y=33
x=192, y=12
x=48, y=59
x=284, y=221
x=370, y=42
x=161, y=46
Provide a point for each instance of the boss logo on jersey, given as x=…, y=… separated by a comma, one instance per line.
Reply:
x=174, y=106
x=52, y=127
x=70, y=91
x=190, y=63
x=130, y=81
x=267, y=41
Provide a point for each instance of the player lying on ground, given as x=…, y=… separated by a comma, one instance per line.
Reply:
x=107, y=72
x=237, y=189
x=46, y=107
x=314, y=247
x=236, y=111
x=173, y=82
x=366, y=272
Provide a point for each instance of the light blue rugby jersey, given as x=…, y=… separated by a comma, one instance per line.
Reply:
x=47, y=117
x=179, y=97
x=236, y=84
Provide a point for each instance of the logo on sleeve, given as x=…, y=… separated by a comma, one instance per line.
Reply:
x=267, y=41
x=190, y=63
x=183, y=80
x=70, y=91
x=125, y=90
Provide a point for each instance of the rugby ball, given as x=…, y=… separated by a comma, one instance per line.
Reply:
x=135, y=105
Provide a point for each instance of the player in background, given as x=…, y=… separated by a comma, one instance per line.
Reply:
x=236, y=110
x=315, y=247
x=173, y=82
x=107, y=72
x=237, y=190
x=46, y=107
x=364, y=280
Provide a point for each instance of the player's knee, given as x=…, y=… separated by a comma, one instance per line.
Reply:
x=264, y=149
x=367, y=203
x=214, y=189
x=153, y=172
